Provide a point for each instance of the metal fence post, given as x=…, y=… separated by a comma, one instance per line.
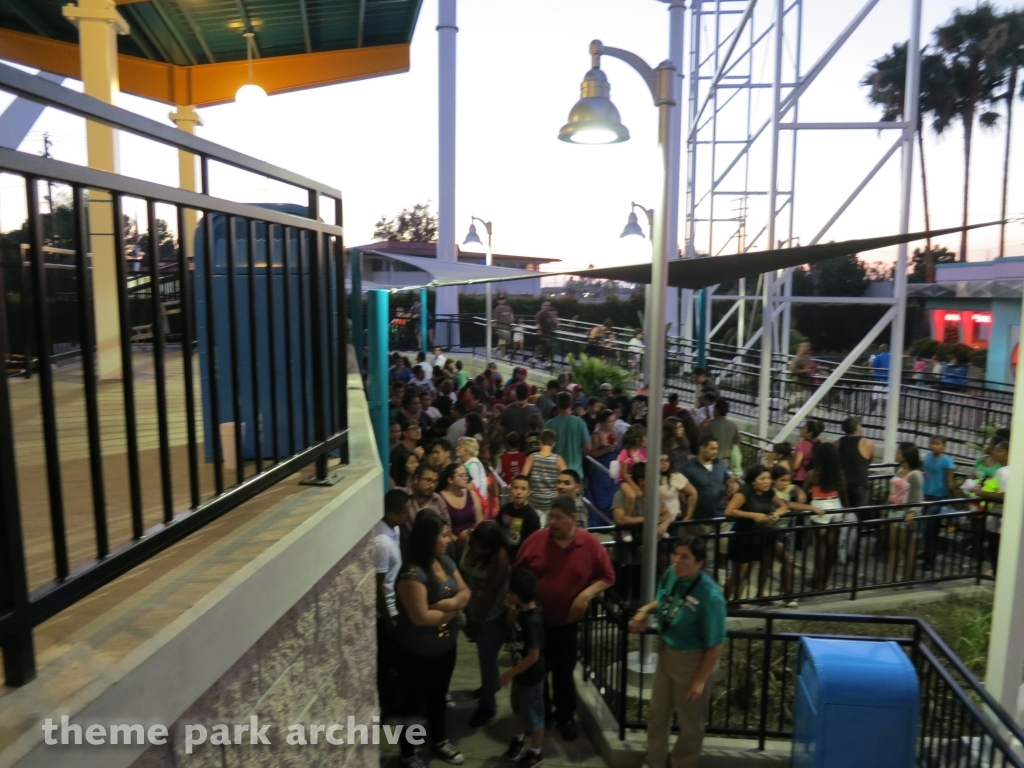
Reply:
x=762, y=725
x=424, y=326
x=856, y=559
x=377, y=373
x=19, y=655
x=356, y=306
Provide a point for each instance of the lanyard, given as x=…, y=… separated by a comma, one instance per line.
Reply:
x=668, y=615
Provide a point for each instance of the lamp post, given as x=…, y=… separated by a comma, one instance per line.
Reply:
x=632, y=228
x=472, y=238
x=595, y=120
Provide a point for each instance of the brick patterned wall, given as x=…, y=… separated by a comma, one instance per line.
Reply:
x=317, y=664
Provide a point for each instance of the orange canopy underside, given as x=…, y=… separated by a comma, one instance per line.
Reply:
x=204, y=85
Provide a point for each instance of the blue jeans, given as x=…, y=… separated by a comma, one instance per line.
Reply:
x=488, y=645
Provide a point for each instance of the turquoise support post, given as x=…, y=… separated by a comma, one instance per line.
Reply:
x=423, y=320
x=702, y=329
x=356, y=305
x=377, y=373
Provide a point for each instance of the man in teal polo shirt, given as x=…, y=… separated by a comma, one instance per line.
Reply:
x=573, y=435
x=690, y=613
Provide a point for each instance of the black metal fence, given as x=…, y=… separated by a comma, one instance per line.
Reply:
x=280, y=287
x=964, y=415
x=961, y=724
x=858, y=549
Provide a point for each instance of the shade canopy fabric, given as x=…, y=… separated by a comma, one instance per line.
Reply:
x=452, y=273
x=703, y=272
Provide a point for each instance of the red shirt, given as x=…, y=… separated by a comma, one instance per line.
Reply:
x=668, y=410
x=563, y=573
x=512, y=465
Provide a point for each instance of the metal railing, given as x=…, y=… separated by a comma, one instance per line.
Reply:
x=865, y=548
x=267, y=308
x=755, y=688
x=962, y=415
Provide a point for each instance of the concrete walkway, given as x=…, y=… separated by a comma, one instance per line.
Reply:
x=485, y=746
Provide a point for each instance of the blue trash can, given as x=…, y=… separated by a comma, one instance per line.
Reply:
x=857, y=705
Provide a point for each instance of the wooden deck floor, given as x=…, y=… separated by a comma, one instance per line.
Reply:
x=74, y=459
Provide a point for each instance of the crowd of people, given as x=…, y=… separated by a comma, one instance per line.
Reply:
x=486, y=532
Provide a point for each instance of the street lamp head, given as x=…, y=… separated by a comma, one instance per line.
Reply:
x=632, y=228
x=594, y=119
x=472, y=238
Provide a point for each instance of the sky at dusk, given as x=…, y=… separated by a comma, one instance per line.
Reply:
x=520, y=66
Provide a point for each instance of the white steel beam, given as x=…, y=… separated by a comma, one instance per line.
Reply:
x=899, y=286
x=797, y=418
x=747, y=13
x=767, y=314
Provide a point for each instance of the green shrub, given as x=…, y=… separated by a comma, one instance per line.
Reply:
x=923, y=348
x=590, y=373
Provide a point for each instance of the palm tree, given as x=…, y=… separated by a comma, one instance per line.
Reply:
x=974, y=81
x=887, y=80
x=1005, y=51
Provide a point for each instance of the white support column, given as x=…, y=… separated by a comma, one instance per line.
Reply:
x=187, y=119
x=1005, y=670
x=899, y=289
x=98, y=24
x=677, y=55
x=765, y=380
x=691, y=170
x=447, y=301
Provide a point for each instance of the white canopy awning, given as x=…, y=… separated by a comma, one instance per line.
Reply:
x=451, y=273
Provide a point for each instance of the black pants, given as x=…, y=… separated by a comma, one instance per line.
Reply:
x=560, y=658
x=858, y=497
x=388, y=688
x=425, y=682
x=993, y=549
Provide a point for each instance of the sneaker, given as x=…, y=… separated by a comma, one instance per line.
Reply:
x=516, y=747
x=449, y=701
x=568, y=730
x=413, y=762
x=448, y=752
x=530, y=760
x=481, y=717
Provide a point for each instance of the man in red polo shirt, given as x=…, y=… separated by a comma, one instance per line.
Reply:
x=572, y=567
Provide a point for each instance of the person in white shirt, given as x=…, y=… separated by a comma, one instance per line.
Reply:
x=427, y=406
x=636, y=351
x=387, y=558
x=439, y=358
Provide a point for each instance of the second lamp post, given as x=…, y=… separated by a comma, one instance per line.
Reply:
x=472, y=238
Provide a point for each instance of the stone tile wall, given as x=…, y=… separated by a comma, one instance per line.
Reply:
x=316, y=665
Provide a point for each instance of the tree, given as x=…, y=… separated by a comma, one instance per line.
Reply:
x=922, y=264
x=1005, y=51
x=973, y=79
x=415, y=225
x=887, y=80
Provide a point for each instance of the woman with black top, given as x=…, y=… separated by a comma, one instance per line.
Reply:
x=855, y=455
x=753, y=508
x=485, y=566
x=430, y=593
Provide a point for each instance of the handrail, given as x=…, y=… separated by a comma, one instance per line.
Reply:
x=35, y=166
x=986, y=721
x=48, y=93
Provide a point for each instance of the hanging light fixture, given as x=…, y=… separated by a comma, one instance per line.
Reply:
x=250, y=94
